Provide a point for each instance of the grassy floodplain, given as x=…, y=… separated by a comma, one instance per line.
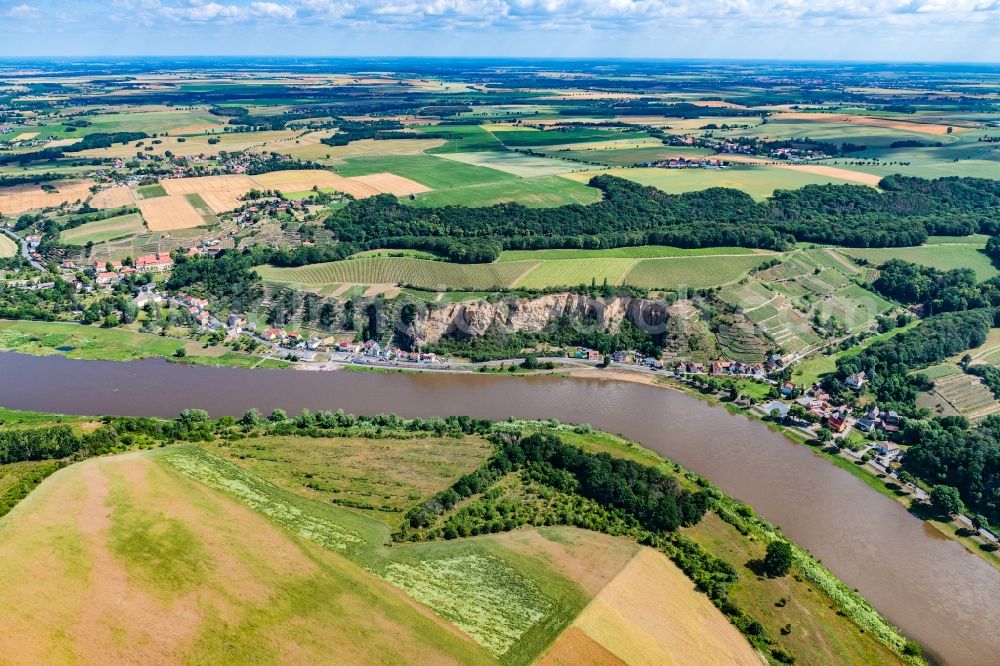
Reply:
x=93, y=343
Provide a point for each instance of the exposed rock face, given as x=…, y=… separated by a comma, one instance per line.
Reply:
x=474, y=319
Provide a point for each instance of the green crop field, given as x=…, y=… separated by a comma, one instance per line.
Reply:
x=692, y=272
x=8, y=248
x=401, y=270
x=524, y=136
x=112, y=228
x=429, y=170
x=461, y=138
x=572, y=272
x=759, y=182
x=626, y=157
x=543, y=192
x=152, y=121
x=943, y=257
x=151, y=191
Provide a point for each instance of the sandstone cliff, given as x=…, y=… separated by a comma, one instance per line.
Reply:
x=475, y=318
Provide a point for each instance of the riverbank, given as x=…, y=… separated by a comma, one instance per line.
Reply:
x=956, y=529
x=818, y=620
x=922, y=582
x=94, y=343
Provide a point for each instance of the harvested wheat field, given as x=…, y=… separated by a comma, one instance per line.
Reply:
x=299, y=180
x=124, y=560
x=357, y=186
x=25, y=136
x=309, y=148
x=169, y=212
x=202, y=184
x=870, y=179
x=221, y=193
x=651, y=614
x=868, y=121
x=113, y=197
x=391, y=183
x=20, y=198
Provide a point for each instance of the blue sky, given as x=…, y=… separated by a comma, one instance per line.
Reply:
x=915, y=30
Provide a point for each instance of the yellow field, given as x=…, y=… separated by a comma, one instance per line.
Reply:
x=868, y=121
x=26, y=136
x=308, y=147
x=20, y=198
x=193, y=145
x=203, y=184
x=169, y=212
x=113, y=197
x=124, y=560
x=872, y=180
x=391, y=183
x=650, y=614
x=221, y=193
x=8, y=248
x=358, y=186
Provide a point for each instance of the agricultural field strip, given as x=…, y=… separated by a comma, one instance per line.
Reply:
x=169, y=213
x=695, y=272
x=479, y=592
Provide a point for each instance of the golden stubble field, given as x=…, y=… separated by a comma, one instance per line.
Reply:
x=169, y=212
x=20, y=198
x=649, y=614
x=124, y=560
x=868, y=121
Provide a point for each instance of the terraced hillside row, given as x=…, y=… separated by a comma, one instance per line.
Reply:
x=695, y=272
x=809, y=288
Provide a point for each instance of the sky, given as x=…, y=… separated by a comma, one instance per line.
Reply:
x=882, y=30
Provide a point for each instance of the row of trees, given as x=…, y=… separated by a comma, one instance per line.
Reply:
x=646, y=494
x=630, y=214
x=888, y=363
x=937, y=291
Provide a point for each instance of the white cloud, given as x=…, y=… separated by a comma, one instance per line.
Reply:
x=23, y=11
x=271, y=10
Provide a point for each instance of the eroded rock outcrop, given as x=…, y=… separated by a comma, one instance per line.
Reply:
x=476, y=318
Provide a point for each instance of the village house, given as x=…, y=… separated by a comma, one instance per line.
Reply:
x=106, y=266
x=838, y=420
x=146, y=297
x=856, y=381
x=888, y=449
x=107, y=278
x=154, y=263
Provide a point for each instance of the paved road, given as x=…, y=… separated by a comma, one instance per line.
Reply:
x=24, y=249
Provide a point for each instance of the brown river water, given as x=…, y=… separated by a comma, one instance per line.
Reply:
x=931, y=587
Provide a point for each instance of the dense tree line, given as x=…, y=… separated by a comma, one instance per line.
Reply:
x=903, y=214
x=95, y=140
x=948, y=453
x=646, y=494
x=936, y=290
x=888, y=363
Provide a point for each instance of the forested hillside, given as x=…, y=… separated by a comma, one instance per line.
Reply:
x=904, y=213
